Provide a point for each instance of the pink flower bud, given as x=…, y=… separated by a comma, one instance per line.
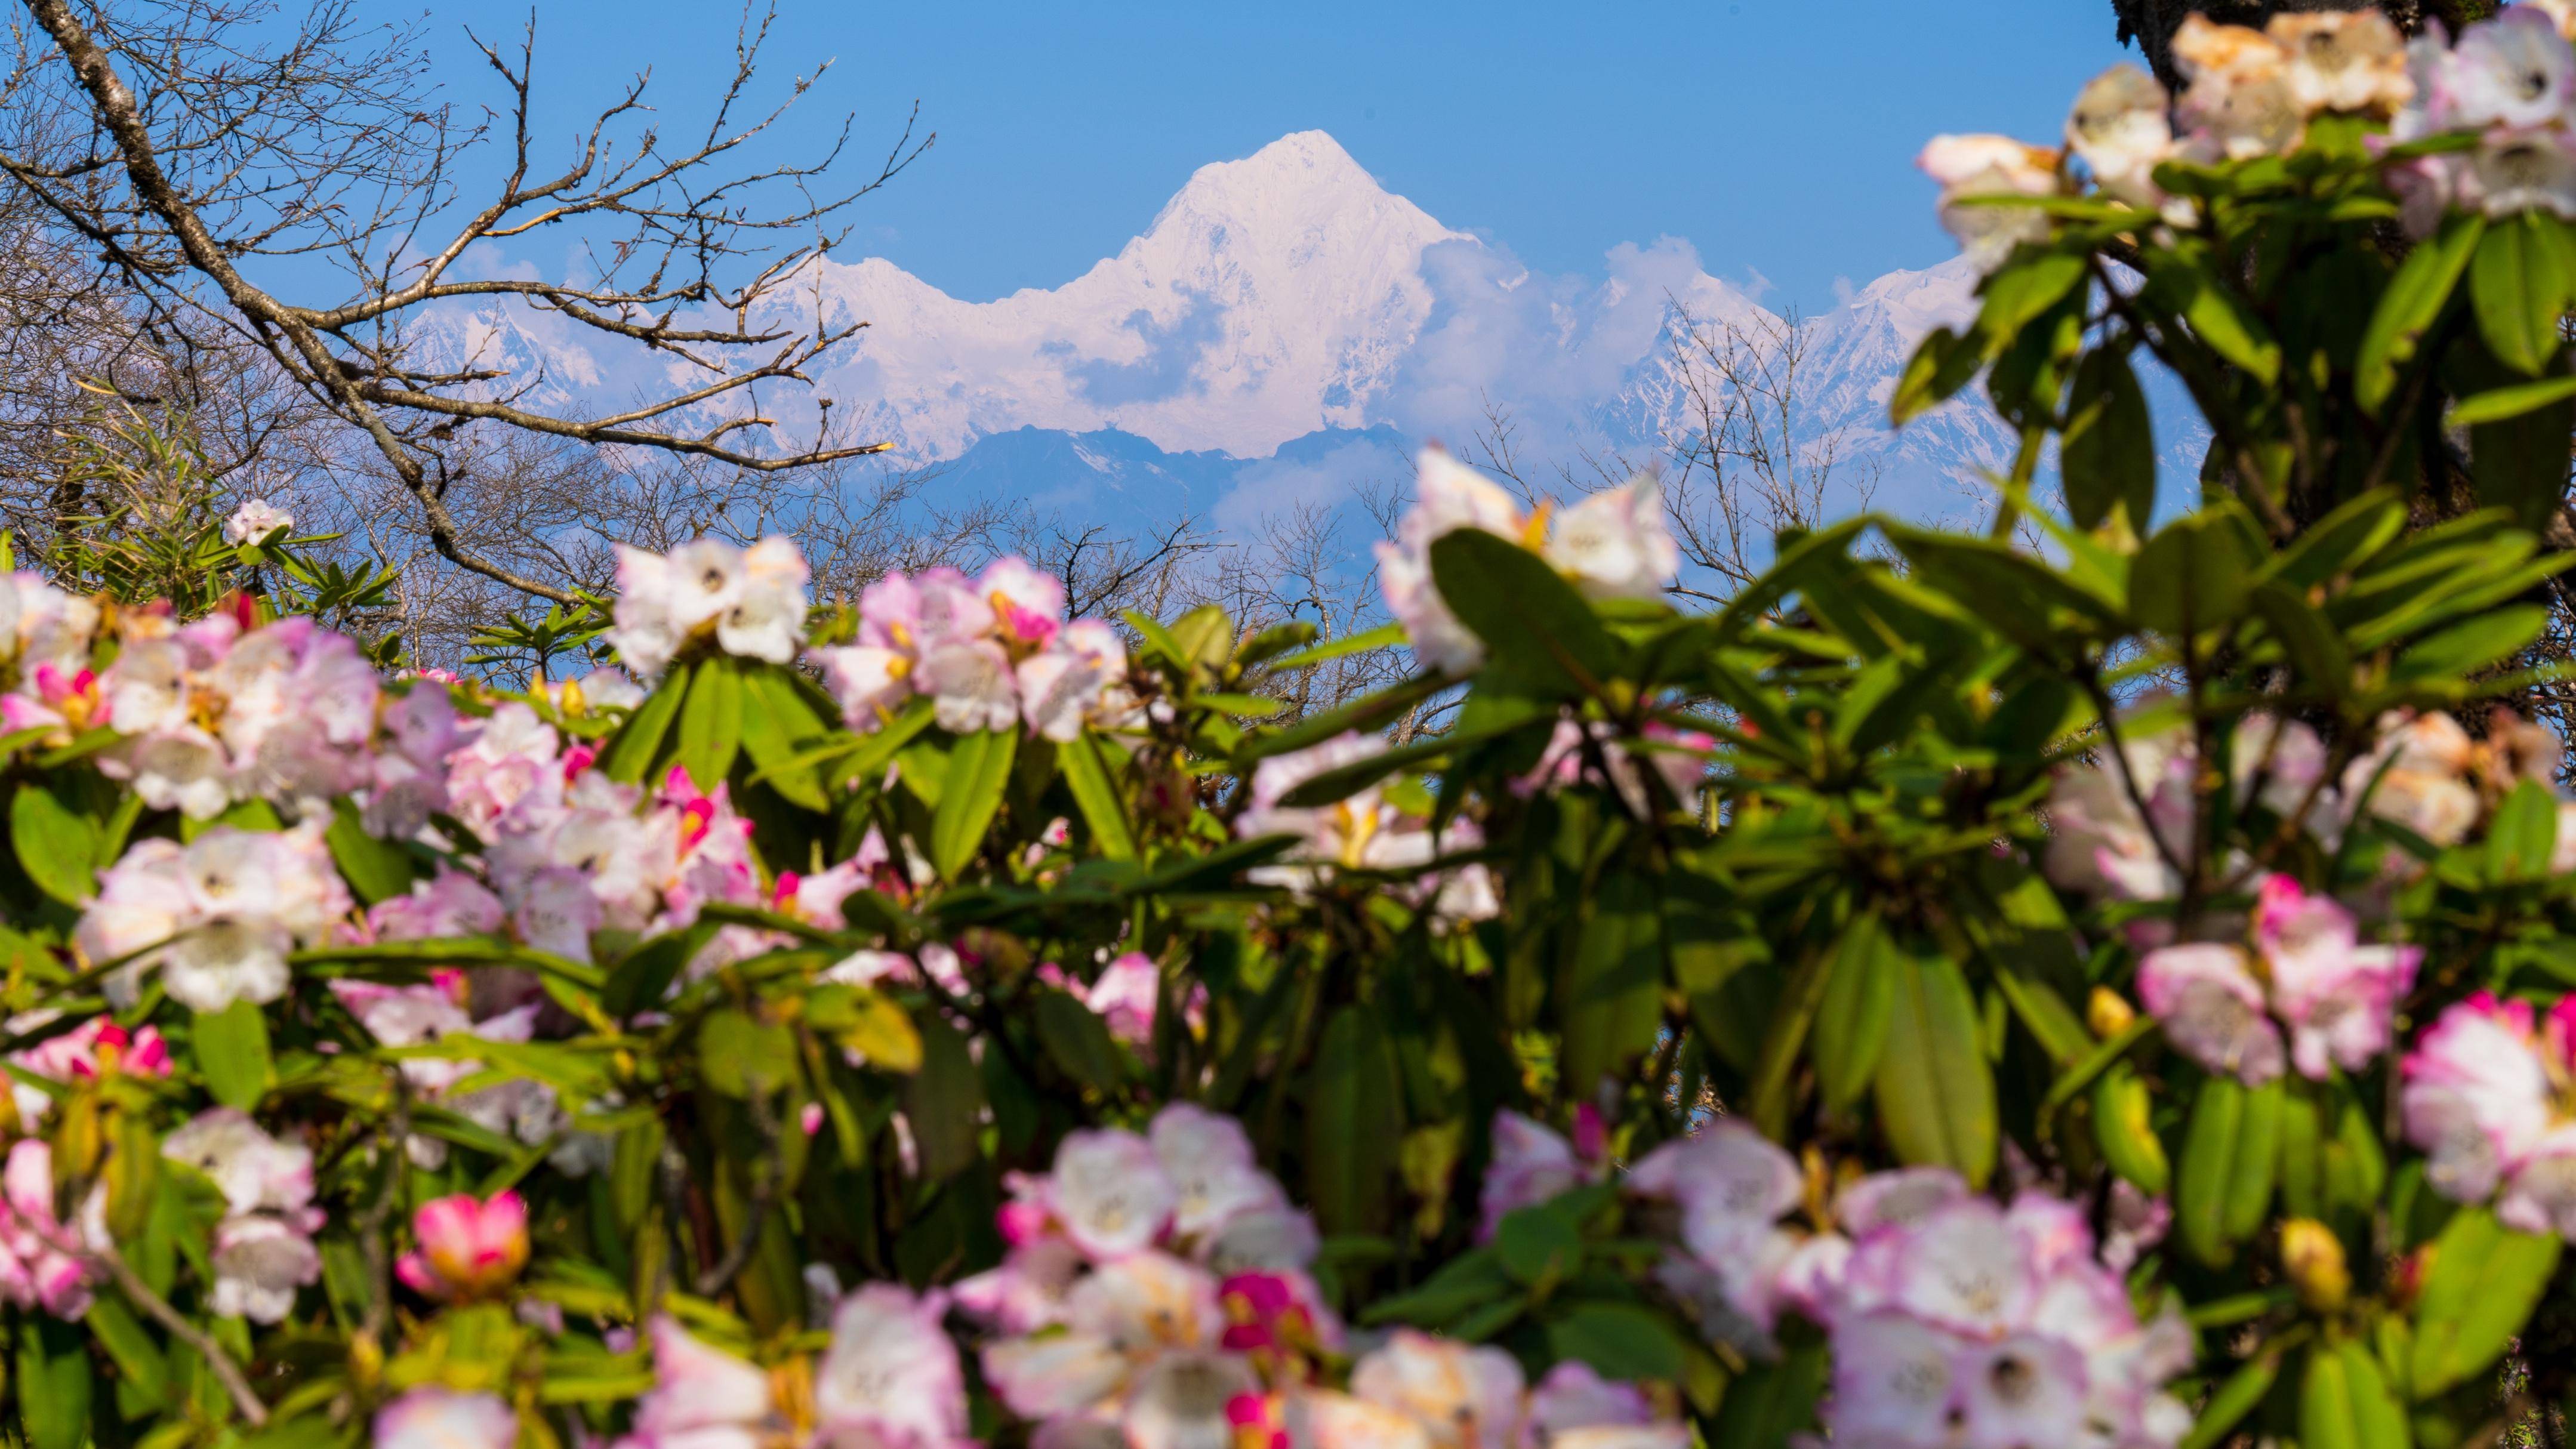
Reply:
x=469, y=1248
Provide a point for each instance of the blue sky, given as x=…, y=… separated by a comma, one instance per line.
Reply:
x=1776, y=136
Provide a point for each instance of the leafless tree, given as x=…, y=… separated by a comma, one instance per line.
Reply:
x=295, y=187
x=1743, y=458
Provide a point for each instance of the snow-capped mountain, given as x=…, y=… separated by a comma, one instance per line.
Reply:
x=1273, y=297
x=1289, y=296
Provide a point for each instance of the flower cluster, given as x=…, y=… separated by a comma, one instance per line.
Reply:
x=2334, y=995
x=1371, y=829
x=890, y=1379
x=1612, y=545
x=1945, y=1307
x=2422, y=774
x=1419, y=1391
x=990, y=653
x=42, y=1257
x=1954, y=1319
x=255, y=521
x=2490, y=1098
x=217, y=916
x=216, y=711
x=264, y=1246
x=45, y=640
x=1131, y=1261
x=750, y=601
x=2510, y=82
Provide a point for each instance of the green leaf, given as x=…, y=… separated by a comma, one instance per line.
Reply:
x=1538, y=1246
x=2497, y=404
x=1076, y=1040
x=1353, y=1123
x=57, y=846
x=970, y=793
x=2520, y=463
x=2230, y=1157
x=1772, y=1402
x=1859, y=1002
x=711, y=722
x=2522, y=835
x=2232, y=1401
x=2218, y=318
x=1943, y=363
x=1620, y=1341
x=739, y=1056
x=1384, y=636
x=2344, y=1402
x=1936, y=1093
x=2107, y=454
x=232, y=1051
x=2415, y=297
x=1611, y=986
x=130, y=1347
x=1086, y=773
x=641, y=979
x=780, y=730
x=2481, y=1287
x=2195, y=574
x=377, y=870
x=944, y=1100
x=1539, y=630
x=2022, y=290
x=53, y=1382
x=638, y=742
x=2518, y=286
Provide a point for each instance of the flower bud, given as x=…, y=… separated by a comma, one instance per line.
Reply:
x=2108, y=1013
x=2313, y=1257
x=469, y=1248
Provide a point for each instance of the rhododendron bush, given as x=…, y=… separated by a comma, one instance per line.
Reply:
x=2101, y=983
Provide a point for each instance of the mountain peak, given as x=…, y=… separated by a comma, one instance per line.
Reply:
x=1302, y=184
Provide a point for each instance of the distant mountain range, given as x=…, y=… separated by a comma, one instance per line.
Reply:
x=1288, y=330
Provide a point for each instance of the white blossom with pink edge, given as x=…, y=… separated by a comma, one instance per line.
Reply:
x=1531, y=1163
x=703, y=1398
x=431, y=1417
x=2485, y=1099
x=216, y=916
x=750, y=602
x=255, y=520
x=891, y=1378
x=2335, y=996
x=1365, y=830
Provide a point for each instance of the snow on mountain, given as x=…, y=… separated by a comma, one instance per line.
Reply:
x=1271, y=298
x=1289, y=296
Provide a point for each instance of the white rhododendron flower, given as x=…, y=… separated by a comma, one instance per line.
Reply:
x=1984, y=166
x=750, y=601
x=217, y=916
x=2120, y=128
x=255, y=520
x=1614, y=544
x=2343, y=60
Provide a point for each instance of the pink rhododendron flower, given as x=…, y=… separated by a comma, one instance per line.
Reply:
x=1532, y=1164
x=2483, y=1099
x=469, y=1247
x=2212, y=1009
x=39, y=1266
